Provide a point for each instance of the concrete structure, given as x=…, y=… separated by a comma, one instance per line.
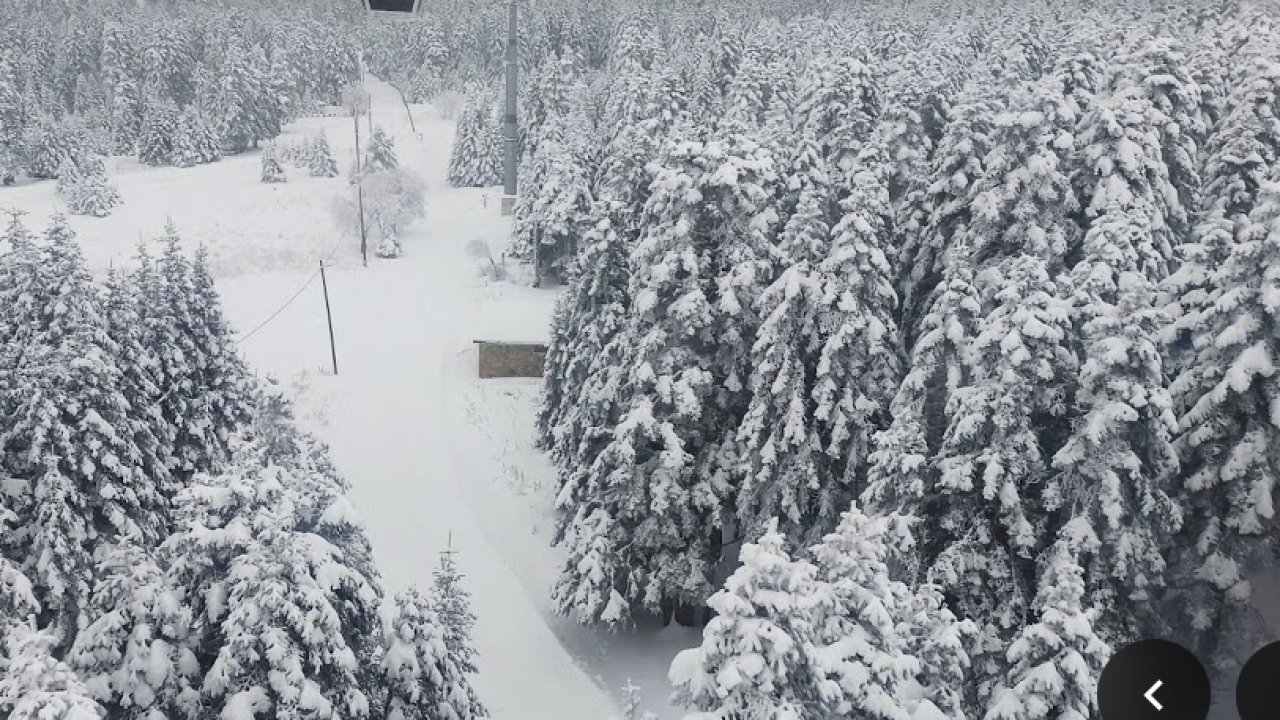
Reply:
x=499, y=359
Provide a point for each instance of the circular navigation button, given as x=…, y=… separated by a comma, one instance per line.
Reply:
x=1153, y=680
x=1258, y=689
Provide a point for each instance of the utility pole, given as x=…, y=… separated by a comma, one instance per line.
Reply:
x=333, y=348
x=510, y=124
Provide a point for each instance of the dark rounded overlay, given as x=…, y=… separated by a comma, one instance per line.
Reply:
x=1258, y=689
x=1153, y=680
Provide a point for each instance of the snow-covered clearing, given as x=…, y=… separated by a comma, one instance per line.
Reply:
x=434, y=455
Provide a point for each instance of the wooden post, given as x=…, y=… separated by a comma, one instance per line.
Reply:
x=364, y=238
x=333, y=348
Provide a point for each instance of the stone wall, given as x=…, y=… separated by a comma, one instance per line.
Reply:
x=499, y=359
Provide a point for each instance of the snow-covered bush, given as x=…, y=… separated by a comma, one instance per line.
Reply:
x=392, y=199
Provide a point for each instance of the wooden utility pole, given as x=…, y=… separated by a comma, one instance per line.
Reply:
x=333, y=348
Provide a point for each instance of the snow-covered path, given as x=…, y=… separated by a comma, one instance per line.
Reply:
x=401, y=327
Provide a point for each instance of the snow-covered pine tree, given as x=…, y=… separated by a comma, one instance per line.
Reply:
x=901, y=470
x=272, y=170
x=939, y=211
x=36, y=685
x=476, y=159
x=838, y=105
x=785, y=469
x=550, y=220
x=84, y=479
x=139, y=383
x=1056, y=660
x=159, y=128
x=1225, y=439
x=86, y=188
x=50, y=143
x=423, y=679
x=1118, y=465
x=221, y=376
x=136, y=654
x=380, y=155
x=587, y=319
x=756, y=661
x=1159, y=72
x=1240, y=153
x=659, y=483
x=11, y=120
x=860, y=661
x=194, y=139
x=290, y=609
x=320, y=162
x=452, y=604
x=18, y=604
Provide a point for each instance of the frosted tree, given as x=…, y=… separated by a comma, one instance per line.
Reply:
x=550, y=221
x=195, y=141
x=272, y=170
x=1239, y=154
x=86, y=189
x=838, y=106
x=826, y=362
x=11, y=121
x=18, y=604
x=476, y=159
x=156, y=143
x=583, y=352
x=660, y=478
x=1119, y=464
x=425, y=677
x=860, y=659
x=320, y=162
x=381, y=153
x=1229, y=476
x=940, y=210
x=84, y=478
x=990, y=460
x=36, y=685
x=1055, y=662
x=452, y=604
x=136, y=654
x=755, y=662
x=393, y=199
x=1159, y=71
x=414, y=662
x=784, y=454
x=291, y=611
x=165, y=307
x=139, y=383
x=50, y=143
x=224, y=382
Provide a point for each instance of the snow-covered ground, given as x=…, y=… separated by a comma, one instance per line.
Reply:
x=434, y=455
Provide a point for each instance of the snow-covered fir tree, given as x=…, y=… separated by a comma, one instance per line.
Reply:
x=320, y=162
x=290, y=606
x=36, y=685
x=156, y=143
x=425, y=677
x=756, y=660
x=85, y=188
x=195, y=141
x=476, y=159
x=272, y=170
x=137, y=653
x=380, y=155
x=1228, y=472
